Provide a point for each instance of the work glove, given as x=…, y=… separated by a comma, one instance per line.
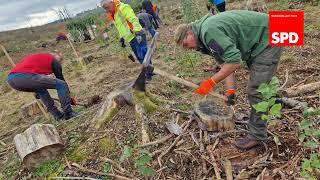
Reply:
x=139, y=38
x=206, y=86
x=73, y=101
x=123, y=44
x=231, y=97
x=36, y=95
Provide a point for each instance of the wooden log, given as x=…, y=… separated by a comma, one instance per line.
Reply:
x=212, y=117
x=31, y=109
x=37, y=144
x=295, y=91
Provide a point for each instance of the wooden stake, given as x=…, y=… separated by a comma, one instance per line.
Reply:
x=6, y=53
x=13, y=65
x=79, y=59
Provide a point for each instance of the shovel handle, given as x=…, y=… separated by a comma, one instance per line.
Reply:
x=184, y=82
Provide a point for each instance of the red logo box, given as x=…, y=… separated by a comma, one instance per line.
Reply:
x=286, y=28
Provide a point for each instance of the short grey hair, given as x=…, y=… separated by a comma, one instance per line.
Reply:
x=102, y=2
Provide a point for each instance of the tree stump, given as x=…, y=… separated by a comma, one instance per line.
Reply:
x=31, y=109
x=37, y=144
x=143, y=102
x=212, y=117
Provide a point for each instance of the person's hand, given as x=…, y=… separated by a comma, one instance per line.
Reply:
x=123, y=44
x=231, y=97
x=139, y=38
x=206, y=86
x=73, y=101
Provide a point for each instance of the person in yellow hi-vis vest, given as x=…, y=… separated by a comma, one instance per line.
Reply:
x=129, y=28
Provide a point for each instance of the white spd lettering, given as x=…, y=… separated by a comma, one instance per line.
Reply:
x=281, y=37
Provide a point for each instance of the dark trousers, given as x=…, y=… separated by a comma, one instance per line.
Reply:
x=262, y=69
x=40, y=84
x=154, y=18
x=140, y=50
x=221, y=7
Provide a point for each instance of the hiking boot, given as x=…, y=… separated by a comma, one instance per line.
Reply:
x=57, y=115
x=247, y=142
x=148, y=79
x=70, y=115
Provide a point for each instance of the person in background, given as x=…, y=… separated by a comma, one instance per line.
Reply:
x=148, y=7
x=156, y=10
x=147, y=22
x=31, y=75
x=220, y=4
x=128, y=27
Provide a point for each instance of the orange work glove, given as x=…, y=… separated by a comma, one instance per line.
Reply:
x=231, y=97
x=205, y=87
x=73, y=101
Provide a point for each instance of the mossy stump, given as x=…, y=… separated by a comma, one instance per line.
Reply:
x=142, y=101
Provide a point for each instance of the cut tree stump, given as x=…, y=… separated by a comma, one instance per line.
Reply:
x=302, y=89
x=32, y=109
x=142, y=102
x=212, y=117
x=37, y=144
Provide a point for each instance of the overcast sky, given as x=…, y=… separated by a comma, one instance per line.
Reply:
x=15, y=14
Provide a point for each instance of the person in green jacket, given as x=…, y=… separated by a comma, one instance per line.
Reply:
x=234, y=37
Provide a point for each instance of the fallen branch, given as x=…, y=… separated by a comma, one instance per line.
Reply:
x=294, y=103
x=215, y=166
x=85, y=170
x=66, y=159
x=286, y=81
x=295, y=91
x=113, y=163
x=174, y=142
x=83, y=178
x=159, y=141
x=228, y=169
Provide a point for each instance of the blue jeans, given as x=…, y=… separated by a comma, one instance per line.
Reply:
x=152, y=31
x=140, y=50
x=40, y=84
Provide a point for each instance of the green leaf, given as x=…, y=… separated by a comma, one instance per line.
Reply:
x=272, y=122
x=265, y=117
x=311, y=144
x=107, y=168
x=261, y=107
x=146, y=171
x=271, y=101
x=276, y=110
x=127, y=152
x=305, y=124
x=302, y=137
x=316, y=132
x=145, y=159
x=306, y=165
x=277, y=140
x=308, y=132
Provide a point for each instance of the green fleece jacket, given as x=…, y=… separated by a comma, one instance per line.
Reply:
x=233, y=36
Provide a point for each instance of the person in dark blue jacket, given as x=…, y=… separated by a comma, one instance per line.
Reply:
x=148, y=7
x=220, y=4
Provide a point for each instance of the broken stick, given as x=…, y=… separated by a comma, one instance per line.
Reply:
x=97, y=172
x=295, y=91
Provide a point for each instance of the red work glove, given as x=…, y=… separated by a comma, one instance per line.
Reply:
x=73, y=101
x=231, y=97
x=205, y=87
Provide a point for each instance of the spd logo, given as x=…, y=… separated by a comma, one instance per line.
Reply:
x=286, y=28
